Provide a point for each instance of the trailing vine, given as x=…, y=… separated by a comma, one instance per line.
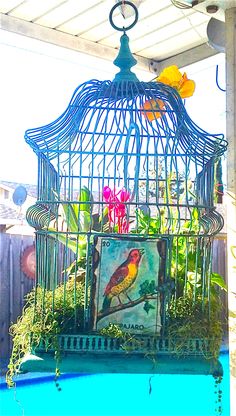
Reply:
x=218, y=393
x=40, y=323
x=189, y=318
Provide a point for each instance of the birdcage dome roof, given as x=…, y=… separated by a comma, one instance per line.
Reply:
x=100, y=108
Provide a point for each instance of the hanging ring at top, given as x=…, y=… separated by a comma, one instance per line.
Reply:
x=120, y=3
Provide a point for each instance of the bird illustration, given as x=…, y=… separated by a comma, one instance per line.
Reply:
x=123, y=278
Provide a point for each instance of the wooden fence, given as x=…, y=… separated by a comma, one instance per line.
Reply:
x=14, y=284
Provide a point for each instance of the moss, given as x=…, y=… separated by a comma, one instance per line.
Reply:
x=188, y=318
x=46, y=314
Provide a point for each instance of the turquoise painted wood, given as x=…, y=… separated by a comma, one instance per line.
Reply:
x=91, y=363
x=147, y=355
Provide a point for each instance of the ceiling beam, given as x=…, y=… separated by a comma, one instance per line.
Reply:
x=65, y=40
x=185, y=58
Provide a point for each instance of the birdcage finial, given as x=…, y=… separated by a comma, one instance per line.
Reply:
x=125, y=59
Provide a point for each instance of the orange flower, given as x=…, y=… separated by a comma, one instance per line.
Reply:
x=170, y=76
x=155, y=106
x=173, y=77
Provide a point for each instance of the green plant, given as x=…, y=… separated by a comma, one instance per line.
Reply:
x=199, y=318
x=218, y=393
x=128, y=341
x=113, y=331
x=46, y=315
x=190, y=314
x=78, y=219
x=195, y=310
x=186, y=255
x=218, y=180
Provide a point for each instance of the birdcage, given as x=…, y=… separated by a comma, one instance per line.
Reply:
x=124, y=223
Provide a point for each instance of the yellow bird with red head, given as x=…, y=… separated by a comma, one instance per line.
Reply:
x=123, y=277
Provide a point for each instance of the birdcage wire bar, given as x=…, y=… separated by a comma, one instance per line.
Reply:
x=165, y=166
x=104, y=139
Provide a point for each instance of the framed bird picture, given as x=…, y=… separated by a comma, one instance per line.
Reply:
x=128, y=277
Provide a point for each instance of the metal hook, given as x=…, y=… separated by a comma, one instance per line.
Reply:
x=122, y=3
x=217, y=79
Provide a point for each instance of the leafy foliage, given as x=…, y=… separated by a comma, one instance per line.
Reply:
x=147, y=287
x=147, y=306
x=186, y=254
x=46, y=315
x=78, y=219
x=113, y=331
x=190, y=314
x=128, y=342
x=147, y=224
x=199, y=318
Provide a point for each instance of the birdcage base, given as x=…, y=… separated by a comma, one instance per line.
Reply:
x=93, y=363
x=95, y=353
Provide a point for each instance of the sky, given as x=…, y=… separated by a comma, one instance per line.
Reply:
x=38, y=79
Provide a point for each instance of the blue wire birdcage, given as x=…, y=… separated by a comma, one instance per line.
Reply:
x=118, y=179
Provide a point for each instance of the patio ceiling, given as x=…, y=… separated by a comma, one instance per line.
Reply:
x=167, y=30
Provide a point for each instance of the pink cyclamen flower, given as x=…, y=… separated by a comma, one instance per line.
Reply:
x=117, y=209
x=124, y=195
x=107, y=193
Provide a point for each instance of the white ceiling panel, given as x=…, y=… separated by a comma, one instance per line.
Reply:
x=65, y=12
x=7, y=5
x=198, y=18
x=98, y=32
x=166, y=32
x=163, y=29
x=201, y=30
x=149, y=25
x=87, y=20
x=174, y=45
x=31, y=9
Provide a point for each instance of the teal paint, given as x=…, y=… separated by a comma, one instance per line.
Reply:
x=125, y=61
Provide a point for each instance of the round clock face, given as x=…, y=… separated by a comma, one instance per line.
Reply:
x=28, y=262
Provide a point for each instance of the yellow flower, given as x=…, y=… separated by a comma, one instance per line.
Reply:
x=154, y=106
x=173, y=77
x=170, y=76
